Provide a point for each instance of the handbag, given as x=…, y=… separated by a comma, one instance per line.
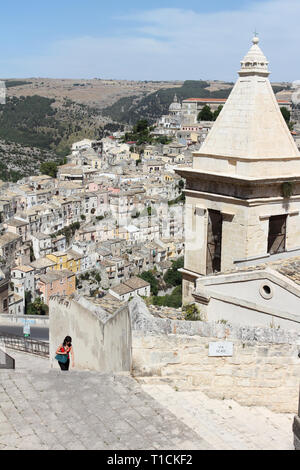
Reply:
x=63, y=358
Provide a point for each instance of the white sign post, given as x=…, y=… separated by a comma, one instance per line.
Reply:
x=26, y=330
x=221, y=349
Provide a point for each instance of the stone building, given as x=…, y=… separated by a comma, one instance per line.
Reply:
x=56, y=283
x=192, y=106
x=243, y=192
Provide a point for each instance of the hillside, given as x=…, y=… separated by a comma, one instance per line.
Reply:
x=39, y=122
x=34, y=129
x=18, y=161
x=94, y=93
x=131, y=109
x=42, y=118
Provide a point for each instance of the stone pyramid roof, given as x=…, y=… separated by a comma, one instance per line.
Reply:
x=251, y=125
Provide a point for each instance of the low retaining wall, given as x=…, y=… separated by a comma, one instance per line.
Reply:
x=264, y=369
x=12, y=320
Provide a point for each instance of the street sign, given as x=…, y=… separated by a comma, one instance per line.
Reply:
x=221, y=349
x=26, y=330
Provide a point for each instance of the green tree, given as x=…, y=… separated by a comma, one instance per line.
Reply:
x=164, y=140
x=37, y=308
x=173, y=277
x=141, y=126
x=286, y=114
x=174, y=300
x=206, y=114
x=28, y=300
x=149, y=277
x=217, y=112
x=49, y=168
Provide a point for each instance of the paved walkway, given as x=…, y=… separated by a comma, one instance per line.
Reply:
x=44, y=409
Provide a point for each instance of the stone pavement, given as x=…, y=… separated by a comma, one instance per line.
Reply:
x=54, y=410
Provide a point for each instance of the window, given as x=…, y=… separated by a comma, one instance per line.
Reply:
x=277, y=234
x=266, y=291
x=214, y=242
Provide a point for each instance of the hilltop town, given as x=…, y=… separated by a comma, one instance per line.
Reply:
x=168, y=247
x=111, y=214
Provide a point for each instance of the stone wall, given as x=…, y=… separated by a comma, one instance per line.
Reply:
x=264, y=369
x=102, y=342
x=19, y=320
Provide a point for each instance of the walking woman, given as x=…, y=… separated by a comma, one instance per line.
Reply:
x=66, y=349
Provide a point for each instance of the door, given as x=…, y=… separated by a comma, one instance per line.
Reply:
x=214, y=242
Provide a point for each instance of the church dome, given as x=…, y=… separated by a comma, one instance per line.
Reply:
x=175, y=107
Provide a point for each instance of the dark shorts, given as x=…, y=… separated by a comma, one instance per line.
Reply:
x=65, y=366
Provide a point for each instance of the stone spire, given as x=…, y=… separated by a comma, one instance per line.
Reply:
x=250, y=132
x=255, y=62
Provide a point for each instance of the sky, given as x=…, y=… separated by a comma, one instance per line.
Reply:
x=153, y=40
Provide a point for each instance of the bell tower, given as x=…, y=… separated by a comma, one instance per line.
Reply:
x=243, y=191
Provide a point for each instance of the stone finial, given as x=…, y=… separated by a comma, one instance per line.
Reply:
x=255, y=62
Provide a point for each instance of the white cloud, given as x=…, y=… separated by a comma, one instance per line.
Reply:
x=178, y=44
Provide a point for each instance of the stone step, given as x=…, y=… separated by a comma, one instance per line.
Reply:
x=261, y=414
x=203, y=421
x=225, y=424
x=236, y=423
x=278, y=423
x=203, y=427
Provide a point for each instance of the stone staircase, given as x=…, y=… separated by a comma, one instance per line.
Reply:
x=224, y=424
x=114, y=411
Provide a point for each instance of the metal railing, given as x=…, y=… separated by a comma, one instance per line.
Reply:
x=19, y=343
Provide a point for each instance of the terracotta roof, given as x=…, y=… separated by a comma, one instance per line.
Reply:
x=221, y=100
x=9, y=237
x=56, y=276
x=136, y=283
x=24, y=269
x=17, y=223
x=122, y=289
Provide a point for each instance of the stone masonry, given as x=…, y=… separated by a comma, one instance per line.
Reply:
x=264, y=369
